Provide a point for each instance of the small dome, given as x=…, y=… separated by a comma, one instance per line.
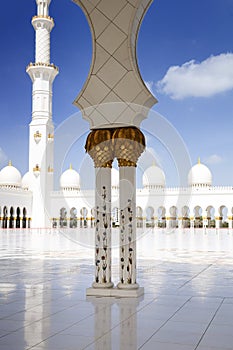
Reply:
x=153, y=177
x=27, y=181
x=10, y=177
x=70, y=180
x=199, y=175
x=115, y=178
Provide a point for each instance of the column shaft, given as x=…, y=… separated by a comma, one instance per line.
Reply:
x=103, y=229
x=127, y=228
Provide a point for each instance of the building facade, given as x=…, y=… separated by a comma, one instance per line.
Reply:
x=31, y=201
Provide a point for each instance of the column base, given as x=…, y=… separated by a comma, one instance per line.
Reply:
x=102, y=285
x=126, y=286
x=115, y=292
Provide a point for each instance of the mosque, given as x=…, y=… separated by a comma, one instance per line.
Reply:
x=30, y=201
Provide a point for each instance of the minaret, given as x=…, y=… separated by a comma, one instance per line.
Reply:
x=42, y=74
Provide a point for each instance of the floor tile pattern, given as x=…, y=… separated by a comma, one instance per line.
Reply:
x=188, y=301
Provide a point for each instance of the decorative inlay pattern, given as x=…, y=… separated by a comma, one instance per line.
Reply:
x=103, y=239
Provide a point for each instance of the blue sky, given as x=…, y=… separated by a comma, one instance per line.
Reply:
x=185, y=54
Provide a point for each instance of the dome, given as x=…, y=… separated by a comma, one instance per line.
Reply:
x=27, y=181
x=10, y=176
x=70, y=180
x=115, y=178
x=153, y=177
x=199, y=175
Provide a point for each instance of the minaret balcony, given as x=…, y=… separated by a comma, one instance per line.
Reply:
x=43, y=22
x=38, y=69
x=42, y=64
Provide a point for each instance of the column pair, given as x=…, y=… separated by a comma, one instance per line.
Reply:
x=103, y=145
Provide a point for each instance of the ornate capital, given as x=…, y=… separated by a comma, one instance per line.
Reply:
x=99, y=147
x=125, y=144
x=129, y=144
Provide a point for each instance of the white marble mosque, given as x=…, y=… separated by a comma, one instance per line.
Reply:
x=114, y=105
x=21, y=205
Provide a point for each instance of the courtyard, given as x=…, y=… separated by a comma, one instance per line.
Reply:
x=187, y=305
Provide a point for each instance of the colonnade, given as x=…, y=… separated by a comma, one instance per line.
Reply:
x=14, y=218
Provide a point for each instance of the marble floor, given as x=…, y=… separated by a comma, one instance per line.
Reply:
x=188, y=301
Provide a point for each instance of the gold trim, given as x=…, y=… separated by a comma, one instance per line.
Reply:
x=43, y=64
x=50, y=136
x=99, y=147
x=129, y=143
x=43, y=17
x=36, y=168
x=50, y=170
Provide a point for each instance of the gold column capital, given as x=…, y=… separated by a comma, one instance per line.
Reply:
x=99, y=147
x=129, y=144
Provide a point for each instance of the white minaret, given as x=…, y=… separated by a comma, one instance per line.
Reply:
x=42, y=74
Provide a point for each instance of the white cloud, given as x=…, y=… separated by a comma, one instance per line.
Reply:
x=214, y=159
x=199, y=79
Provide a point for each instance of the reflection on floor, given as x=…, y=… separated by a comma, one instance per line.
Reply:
x=188, y=301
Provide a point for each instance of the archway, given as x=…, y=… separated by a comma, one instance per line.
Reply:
x=210, y=211
x=223, y=211
x=73, y=217
x=11, y=219
x=139, y=217
x=4, y=219
x=149, y=217
x=24, y=222
x=162, y=217
x=92, y=217
x=173, y=217
x=198, y=219
x=83, y=219
x=63, y=217
x=185, y=217
x=17, y=217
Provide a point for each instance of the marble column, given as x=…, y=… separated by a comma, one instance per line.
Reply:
x=230, y=222
x=127, y=228
x=99, y=147
x=129, y=143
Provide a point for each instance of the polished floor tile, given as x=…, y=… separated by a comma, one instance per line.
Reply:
x=188, y=301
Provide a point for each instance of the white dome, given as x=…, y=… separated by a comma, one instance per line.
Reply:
x=199, y=175
x=27, y=181
x=10, y=177
x=153, y=177
x=115, y=178
x=70, y=180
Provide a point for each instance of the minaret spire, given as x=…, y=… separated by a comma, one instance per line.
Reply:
x=42, y=74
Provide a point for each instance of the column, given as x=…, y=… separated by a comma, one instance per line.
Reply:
x=129, y=143
x=230, y=222
x=127, y=227
x=217, y=222
x=180, y=222
x=103, y=229
x=99, y=147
